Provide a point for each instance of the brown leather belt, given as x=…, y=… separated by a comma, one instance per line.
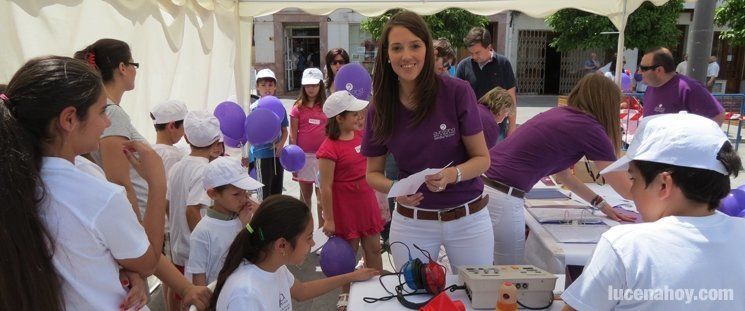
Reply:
x=447, y=215
x=503, y=188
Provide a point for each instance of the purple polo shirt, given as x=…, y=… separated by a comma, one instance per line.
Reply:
x=548, y=143
x=491, y=127
x=678, y=94
x=434, y=142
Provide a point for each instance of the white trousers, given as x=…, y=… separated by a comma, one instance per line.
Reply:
x=508, y=222
x=467, y=240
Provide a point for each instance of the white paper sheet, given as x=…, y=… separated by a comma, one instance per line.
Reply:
x=411, y=184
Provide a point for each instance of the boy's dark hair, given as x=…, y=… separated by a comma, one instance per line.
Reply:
x=332, y=126
x=279, y=216
x=265, y=80
x=698, y=185
x=162, y=127
x=478, y=35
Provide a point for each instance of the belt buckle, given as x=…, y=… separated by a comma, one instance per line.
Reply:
x=450, y=211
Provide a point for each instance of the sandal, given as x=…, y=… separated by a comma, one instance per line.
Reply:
x=341, y=304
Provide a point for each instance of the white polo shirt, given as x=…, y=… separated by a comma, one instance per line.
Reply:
x=184, y=188
x=92, y=225
x=667, y=258
x=250, y=288
x=210, y=242
x=169, y=154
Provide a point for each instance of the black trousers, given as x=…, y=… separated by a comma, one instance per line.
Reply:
x=270, y=173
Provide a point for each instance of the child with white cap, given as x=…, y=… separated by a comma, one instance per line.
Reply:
x=168, y=119
x=268, y=169
x=228, y=185
x=679, y=165
x=186, y=195
x=308, y=130
x=350, y=209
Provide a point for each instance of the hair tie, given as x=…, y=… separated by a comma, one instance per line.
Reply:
x=6, y=100
x=90, y=58
x=250, y=230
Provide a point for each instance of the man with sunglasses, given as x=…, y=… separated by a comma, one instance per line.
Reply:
x=670, y=92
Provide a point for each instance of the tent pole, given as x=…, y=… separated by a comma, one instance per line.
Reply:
x=620, y=47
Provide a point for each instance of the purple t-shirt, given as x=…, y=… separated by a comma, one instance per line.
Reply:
x=491, y=127
x=678, y=94
x=548, y=143
x=434, y=142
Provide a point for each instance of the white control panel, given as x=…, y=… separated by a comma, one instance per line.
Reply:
x=534, y=286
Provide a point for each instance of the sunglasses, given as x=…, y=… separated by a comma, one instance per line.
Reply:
x=645, y=68
x=338, y=62
x=137, y=65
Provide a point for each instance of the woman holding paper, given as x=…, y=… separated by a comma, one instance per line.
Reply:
x=550, y=143
x=427, y=121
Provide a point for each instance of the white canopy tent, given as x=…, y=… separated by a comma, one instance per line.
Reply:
x=199, y=51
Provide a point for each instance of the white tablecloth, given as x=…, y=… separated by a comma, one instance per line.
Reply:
x=372, y=288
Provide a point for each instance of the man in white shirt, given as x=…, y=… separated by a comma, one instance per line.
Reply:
x=688, y=255
x=683, y=66
x=712, y=72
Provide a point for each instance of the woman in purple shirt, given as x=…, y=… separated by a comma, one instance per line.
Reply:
x=428, y=121
x=550, y=143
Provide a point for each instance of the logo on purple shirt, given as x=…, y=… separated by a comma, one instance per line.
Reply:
x=444, y=132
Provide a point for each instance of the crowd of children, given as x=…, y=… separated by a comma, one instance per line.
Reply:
x=92, y=210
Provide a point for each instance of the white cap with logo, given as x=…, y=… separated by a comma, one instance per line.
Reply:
x=265, y=73
x=681, y=139
x=169, y=111
x=341, y=101
x=201, y=128
x=228, y=171
x=311, y=76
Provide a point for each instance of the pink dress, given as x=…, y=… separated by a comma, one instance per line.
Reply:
x=356, y=210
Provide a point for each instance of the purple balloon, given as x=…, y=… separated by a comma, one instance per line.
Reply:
x=252, y=173
x=232, y=143
x=354, y=78
x=231, y=118
x=741, y=214
x=274, y=105
x=262, y=126
x=292, y=158
x=625, y=82
x=337, y=257
x=638, y=77
x=734, y=203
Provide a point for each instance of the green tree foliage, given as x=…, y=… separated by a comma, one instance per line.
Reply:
x=452, y=24
x=647, y=27
x=732, y=15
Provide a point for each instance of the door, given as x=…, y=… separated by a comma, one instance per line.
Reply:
x=289, y=63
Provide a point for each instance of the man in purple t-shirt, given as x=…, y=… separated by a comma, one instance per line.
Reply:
x=670, y=92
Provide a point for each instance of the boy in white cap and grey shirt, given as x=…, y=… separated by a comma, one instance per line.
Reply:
x=186, y=195
x=227, y=183
x=679, y=165
x=168, y=119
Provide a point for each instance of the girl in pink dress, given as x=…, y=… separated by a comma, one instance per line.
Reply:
x=350, y=209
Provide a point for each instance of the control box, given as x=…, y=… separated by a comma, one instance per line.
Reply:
x=535, y=287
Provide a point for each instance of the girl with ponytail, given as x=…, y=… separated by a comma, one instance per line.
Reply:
x=255, y=275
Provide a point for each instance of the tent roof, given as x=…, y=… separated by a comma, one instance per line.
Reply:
x=613, y=9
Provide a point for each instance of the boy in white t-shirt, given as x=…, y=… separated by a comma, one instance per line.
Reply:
x=687, y=256
x=186, y=195
x=168, y=119
x=228, y=185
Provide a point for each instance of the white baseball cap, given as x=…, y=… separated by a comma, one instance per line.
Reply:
x=169, y=111
x=681, y=139
x=311, y=76
x=228, y=171
x=201, y=128
x=341, y=101
x=265, y=73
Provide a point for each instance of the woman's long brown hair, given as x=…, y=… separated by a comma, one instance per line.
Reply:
x=599, y=97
